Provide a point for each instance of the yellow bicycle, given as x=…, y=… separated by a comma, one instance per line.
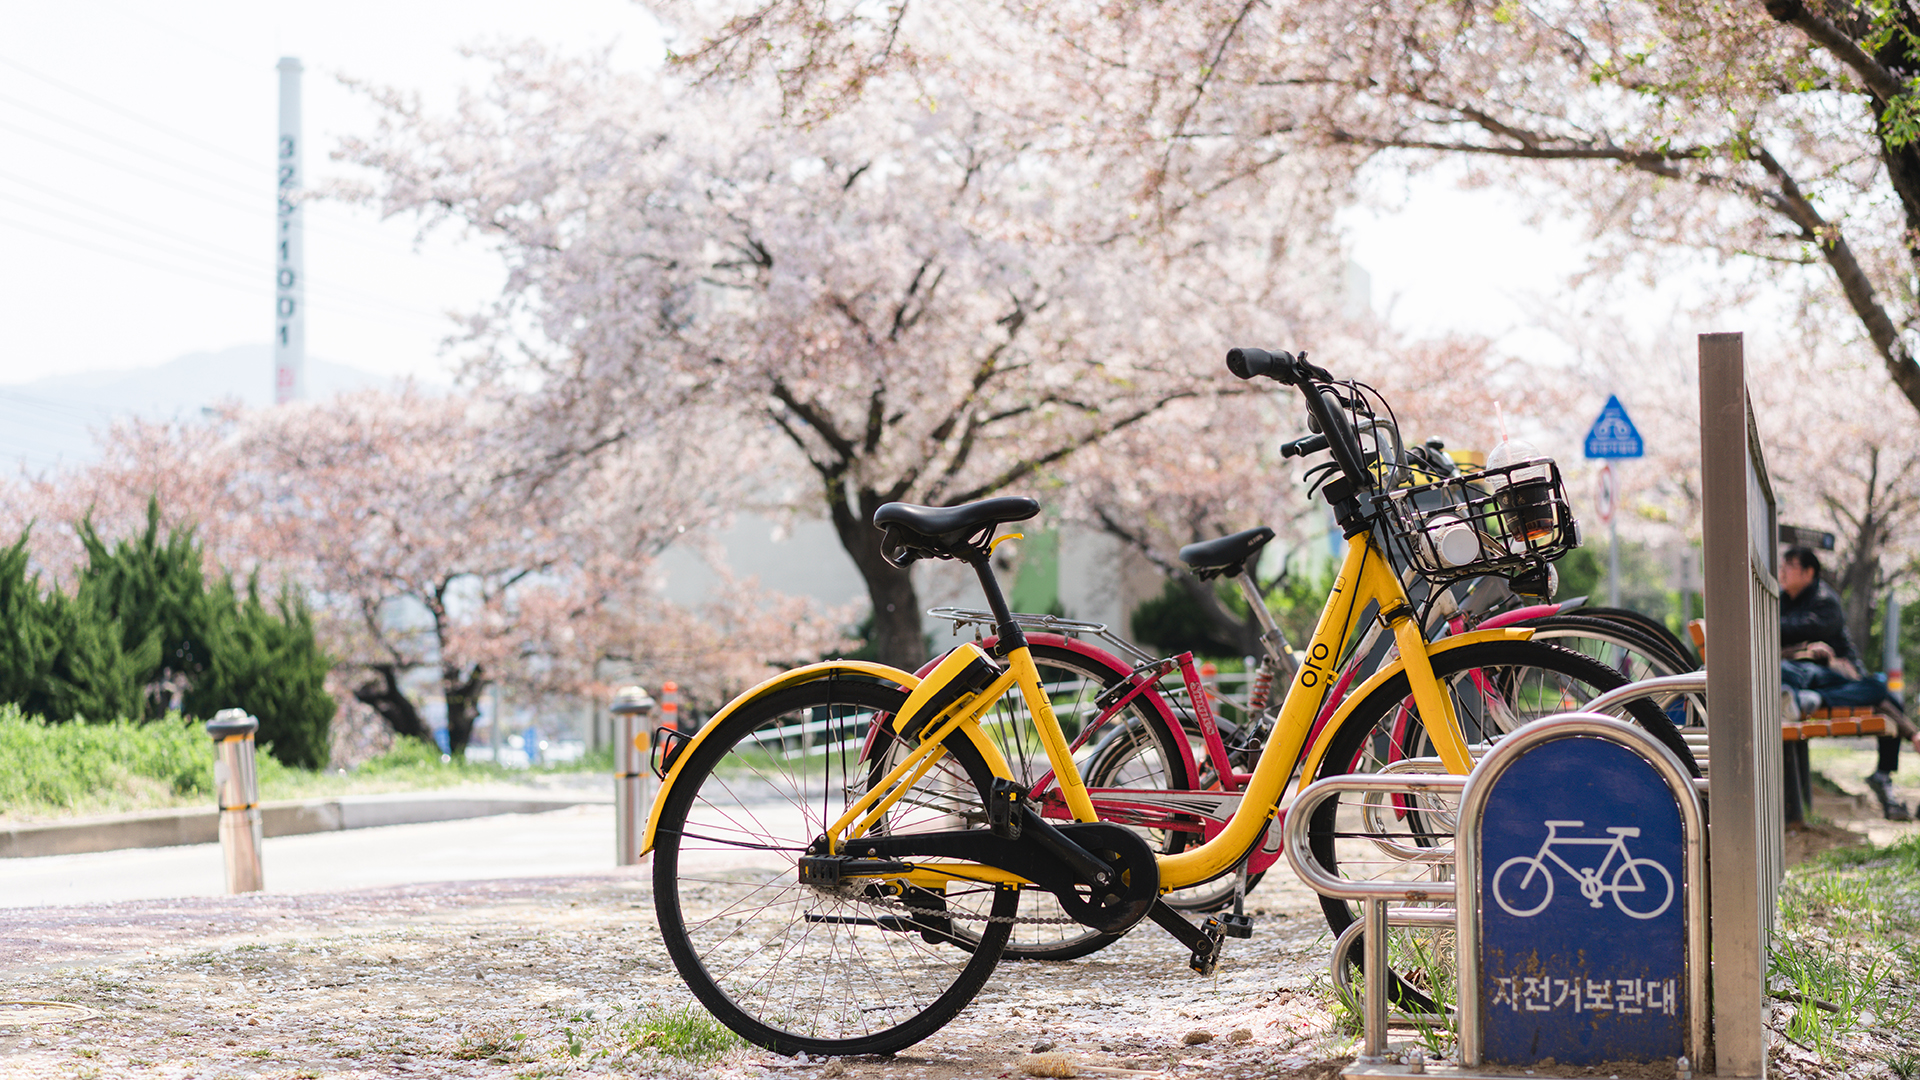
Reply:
x=840, y=853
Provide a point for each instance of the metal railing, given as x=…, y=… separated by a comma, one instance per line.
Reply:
x=1373, y=896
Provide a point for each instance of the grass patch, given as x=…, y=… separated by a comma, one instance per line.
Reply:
x=497, y=1046
x=1844, y=956
x=1425, y=960
x=103, y=767
x=76, y=769
x=688, y=1033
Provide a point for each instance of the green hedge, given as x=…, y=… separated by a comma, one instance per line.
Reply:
x=144, y=632
x=63, y=770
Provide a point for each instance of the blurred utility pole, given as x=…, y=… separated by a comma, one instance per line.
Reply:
x=289, y=262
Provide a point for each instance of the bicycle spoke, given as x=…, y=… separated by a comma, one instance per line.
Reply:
x=794, y=965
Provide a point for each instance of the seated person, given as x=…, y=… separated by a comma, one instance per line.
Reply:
x=1821, y=668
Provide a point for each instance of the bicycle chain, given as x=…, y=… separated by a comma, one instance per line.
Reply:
x=1036, y=920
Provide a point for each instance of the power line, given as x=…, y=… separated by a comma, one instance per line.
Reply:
x=61, y=238
x=211, y=257
x=136, y=12
x=72, y=125
x=128, y=218
x=131, y=171
x=224, y=260
x=128, y=113
x=255, y=288
x=40, y=404
x=260, y=209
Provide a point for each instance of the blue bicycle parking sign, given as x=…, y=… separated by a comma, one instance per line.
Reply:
x=1613, y=434
x=1583, y=921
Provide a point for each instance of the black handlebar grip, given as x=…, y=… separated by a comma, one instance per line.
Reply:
x=1247, y=363
x=1312, y=444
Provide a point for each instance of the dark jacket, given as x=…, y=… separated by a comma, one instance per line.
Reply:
x=1816, y=615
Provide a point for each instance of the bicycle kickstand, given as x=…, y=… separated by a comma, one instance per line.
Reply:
x=1236, y=925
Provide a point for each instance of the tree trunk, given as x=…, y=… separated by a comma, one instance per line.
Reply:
x=1856, y=580
x=462, y=692
x=1243, y=632
x=897, y=638
x=382, y=694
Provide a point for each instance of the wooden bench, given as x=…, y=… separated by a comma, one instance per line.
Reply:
x=1859, y=720
x=1839, y=720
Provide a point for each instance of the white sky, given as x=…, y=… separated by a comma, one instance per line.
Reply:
x=136, y=174
x=136, y=187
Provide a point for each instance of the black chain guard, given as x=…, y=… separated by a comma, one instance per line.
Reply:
x=1113, y=908
x=1120, y=906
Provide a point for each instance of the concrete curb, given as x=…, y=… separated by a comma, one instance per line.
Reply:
x=167, y=828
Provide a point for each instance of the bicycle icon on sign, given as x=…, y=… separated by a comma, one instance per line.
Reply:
x=1641, y=879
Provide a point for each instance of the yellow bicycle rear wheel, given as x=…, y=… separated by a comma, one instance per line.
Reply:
x=861, y=967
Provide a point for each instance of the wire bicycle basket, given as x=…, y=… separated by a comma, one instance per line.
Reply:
x=1497, y=521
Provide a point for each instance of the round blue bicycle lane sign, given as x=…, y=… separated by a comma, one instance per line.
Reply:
x=1583, y=913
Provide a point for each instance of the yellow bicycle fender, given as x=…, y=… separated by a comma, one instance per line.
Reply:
x=811, y=673
x=996, y=761
x=1359, y=694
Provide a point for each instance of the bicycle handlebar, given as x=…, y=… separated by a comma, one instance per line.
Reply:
x=1278, y=366
x=1311, y=444
x=1325, y=408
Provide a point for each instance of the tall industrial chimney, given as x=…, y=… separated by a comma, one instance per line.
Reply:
x=289, y=269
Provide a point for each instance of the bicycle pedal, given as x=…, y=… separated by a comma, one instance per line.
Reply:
x=1203, y=941
x=1206, y=954
x=1229, y=925
x=832, y=871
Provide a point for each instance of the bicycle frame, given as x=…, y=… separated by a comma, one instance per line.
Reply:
x=1365, y=578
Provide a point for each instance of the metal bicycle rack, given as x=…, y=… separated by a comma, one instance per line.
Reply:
x=1391, y=903
x=1373, y=896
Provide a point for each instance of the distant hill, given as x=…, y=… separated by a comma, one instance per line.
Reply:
x=49, y=423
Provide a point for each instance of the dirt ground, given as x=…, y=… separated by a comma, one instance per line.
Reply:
x=549, y=977
x=497, y=979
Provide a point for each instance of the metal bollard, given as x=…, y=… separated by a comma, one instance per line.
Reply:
x=237, y=790
x=632, y=800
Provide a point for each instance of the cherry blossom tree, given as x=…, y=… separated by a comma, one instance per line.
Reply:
x=1840, y=448
x=426, y=541
x=925, y=295
x=1778, y=136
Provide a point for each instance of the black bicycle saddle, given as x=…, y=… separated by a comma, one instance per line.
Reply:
x=946, y=532
x=1211, y=558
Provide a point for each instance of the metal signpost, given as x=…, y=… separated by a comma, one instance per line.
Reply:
x=1742, y=600
x=1611, y=438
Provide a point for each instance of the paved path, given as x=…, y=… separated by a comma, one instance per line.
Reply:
x=570, y=842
